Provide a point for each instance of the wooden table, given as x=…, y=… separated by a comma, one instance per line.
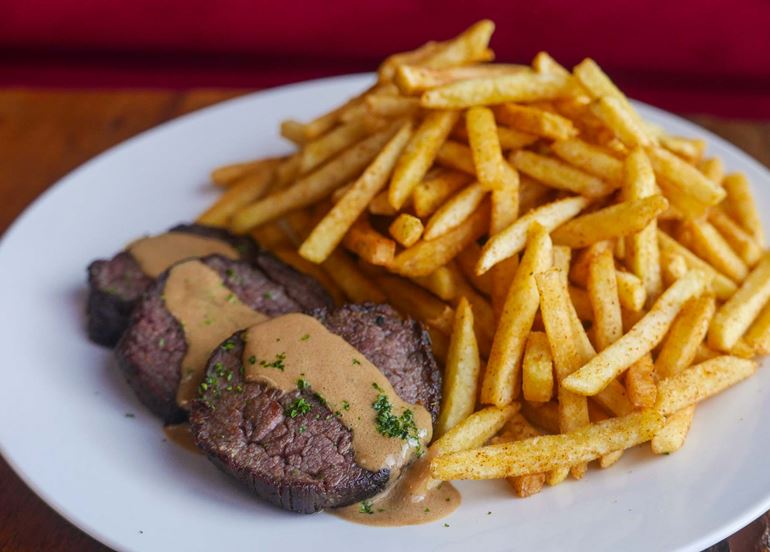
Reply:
x=45, y=134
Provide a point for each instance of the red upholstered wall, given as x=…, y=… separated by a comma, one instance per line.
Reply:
x=689, y=56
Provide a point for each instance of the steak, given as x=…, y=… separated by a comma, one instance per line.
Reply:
x=305, y=464
x=116, y=284
x=152, y=348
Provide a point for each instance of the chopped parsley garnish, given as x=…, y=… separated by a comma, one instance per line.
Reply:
x=427, y=510
x=267, y=295
x=320, y=399
x=252, y=359
x=345, y=405
x=302, y=384
x=390, y=425
x=239, y=388
x=162, y=342
x=228, y=346
x=366, y=507
x=302, y=428
x=305, y=337
x=219, y=369
x=277, y=363
x=356, y=362
x=230, y=297
x=446, y=525
x=299, y=407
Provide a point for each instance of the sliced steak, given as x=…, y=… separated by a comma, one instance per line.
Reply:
x=116, y=284
x=305, y=464
x=152, y=348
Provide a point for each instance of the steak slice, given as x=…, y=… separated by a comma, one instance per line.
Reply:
x=152, y=348
x=116, y=284
x=305, y=464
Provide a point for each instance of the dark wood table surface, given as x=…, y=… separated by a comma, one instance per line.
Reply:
x=45, y=134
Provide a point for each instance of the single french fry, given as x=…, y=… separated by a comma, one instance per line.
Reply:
x=441, y=282
x=432, y=192
x=502, y=377
x=734, y=317
x=484, y=315
x=560, y=175
x=406, y=229
x=594, y=376
x=597, y=414
x=349, y=278
x=516, y=429
x=544, y=453
x=509, y=138
x=456, y=210
x=485, y=148
x=671, y=437
x=419, y=154
x=519, y=87
x=713, y=169
x=631, y=291
x=368, y=244
x=589, y=158
x=414, y=79
x=620, y=121
x=614, y=399
x=240, y=193
x=426, y=256
x=612, y=222
x=467, y=260
x=501, y=277
x=740, y=205
x=685, y=336
x=417, y=303
x=701, y=382
x=558, y=319
x=603, y=294
x=315, y=186
x=454, y=155
x=461, y=373
x=598, y=84
x=643, y=258
x=537, y=369
x=512, y=240
x=544, y=63
x=293, y=259
x=685, y=178
x=535, y=121
x=328, y=233
x=740, y=241
x=758, y=335
x=227, y=175
x=640, y=383
x=709, y=245
x=723, y=286
x=468, y=47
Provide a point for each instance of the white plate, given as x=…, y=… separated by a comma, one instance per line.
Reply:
x=63, y=405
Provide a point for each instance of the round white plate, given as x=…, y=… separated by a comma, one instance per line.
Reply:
x=72, y=429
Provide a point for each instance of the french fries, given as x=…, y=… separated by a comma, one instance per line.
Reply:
x=331, y=230
x=493, y=201
x=511, y=240
x=648, y=332
x=502, y=377
x=462, y=371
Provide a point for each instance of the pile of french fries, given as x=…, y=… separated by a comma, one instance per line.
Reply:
x=586, y=278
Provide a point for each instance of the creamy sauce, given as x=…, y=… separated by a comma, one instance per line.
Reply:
x=209, y=313
x=284, y=350
x=181, y=435
x=156, y=253
x=413, y=499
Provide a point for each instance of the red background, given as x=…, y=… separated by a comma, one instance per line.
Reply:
x=689, y=56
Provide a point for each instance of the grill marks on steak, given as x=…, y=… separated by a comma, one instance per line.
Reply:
x=117, y=284
x=307, y=463
x=152, y=348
